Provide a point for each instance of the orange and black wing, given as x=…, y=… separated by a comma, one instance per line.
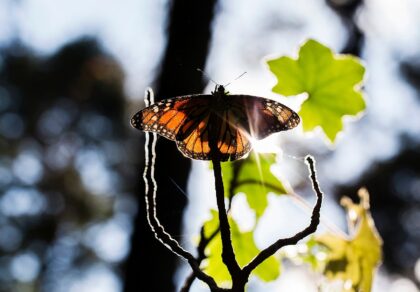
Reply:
x=249, y=116
x=193, y=120
x=261, y=117
x=193, y=140
x=172, y=117
x=232, y=143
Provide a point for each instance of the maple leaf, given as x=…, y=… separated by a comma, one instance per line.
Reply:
x=332, y=83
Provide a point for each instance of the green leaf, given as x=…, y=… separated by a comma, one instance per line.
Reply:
x=245, y=250
x=332, y=83
x=353, y=260
x=254, y=178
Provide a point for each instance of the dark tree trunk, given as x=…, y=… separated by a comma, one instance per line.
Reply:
x=150, y=266
x=346, y=10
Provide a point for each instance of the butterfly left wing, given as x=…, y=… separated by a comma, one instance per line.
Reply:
x=169, y=117
x=261, y=117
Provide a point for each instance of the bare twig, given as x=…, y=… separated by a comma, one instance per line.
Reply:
x=269, y=251
x=154, y=223
x=204, y=241
x=328, y=224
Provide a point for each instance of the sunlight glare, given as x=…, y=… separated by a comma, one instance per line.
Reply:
x=267, y=145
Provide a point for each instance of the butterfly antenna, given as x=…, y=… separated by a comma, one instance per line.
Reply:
x=207, y=76
x=236, y=79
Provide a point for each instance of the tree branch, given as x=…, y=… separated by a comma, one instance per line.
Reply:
x=157, y=228
x=269, y=251
x=228, y=255
x=204, y=241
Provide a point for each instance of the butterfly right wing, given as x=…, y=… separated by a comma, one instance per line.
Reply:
x=261, y=117
x=172, y=117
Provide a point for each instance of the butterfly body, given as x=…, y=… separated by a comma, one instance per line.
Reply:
x=206, y=126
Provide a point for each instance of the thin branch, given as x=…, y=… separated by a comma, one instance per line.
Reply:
x=324, y=221
x=228, y=255
x=269, y=251
x=204, y=241
x=157, y=228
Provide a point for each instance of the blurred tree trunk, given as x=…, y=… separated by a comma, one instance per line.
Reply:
x=150, y=266
x=346, y=10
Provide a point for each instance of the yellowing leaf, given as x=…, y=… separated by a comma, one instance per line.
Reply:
x=332, y=83
x=254, y=178
x=245, y=250
x=354, y=260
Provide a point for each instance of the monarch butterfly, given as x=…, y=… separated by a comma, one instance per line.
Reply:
x=218, y=124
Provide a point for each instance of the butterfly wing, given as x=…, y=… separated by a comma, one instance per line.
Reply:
x=193, y=142
x=246, y=116
x=261, y=117
x=192, y=120
x=172, y=117
x=232, y=143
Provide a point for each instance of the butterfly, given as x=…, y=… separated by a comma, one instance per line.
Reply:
x=205, y=126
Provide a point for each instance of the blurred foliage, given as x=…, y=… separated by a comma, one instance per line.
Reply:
x=332, y=84
x=350, y=260
x=353, y=260
x=64, y=166
x=394, y=192
x=245, y=250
